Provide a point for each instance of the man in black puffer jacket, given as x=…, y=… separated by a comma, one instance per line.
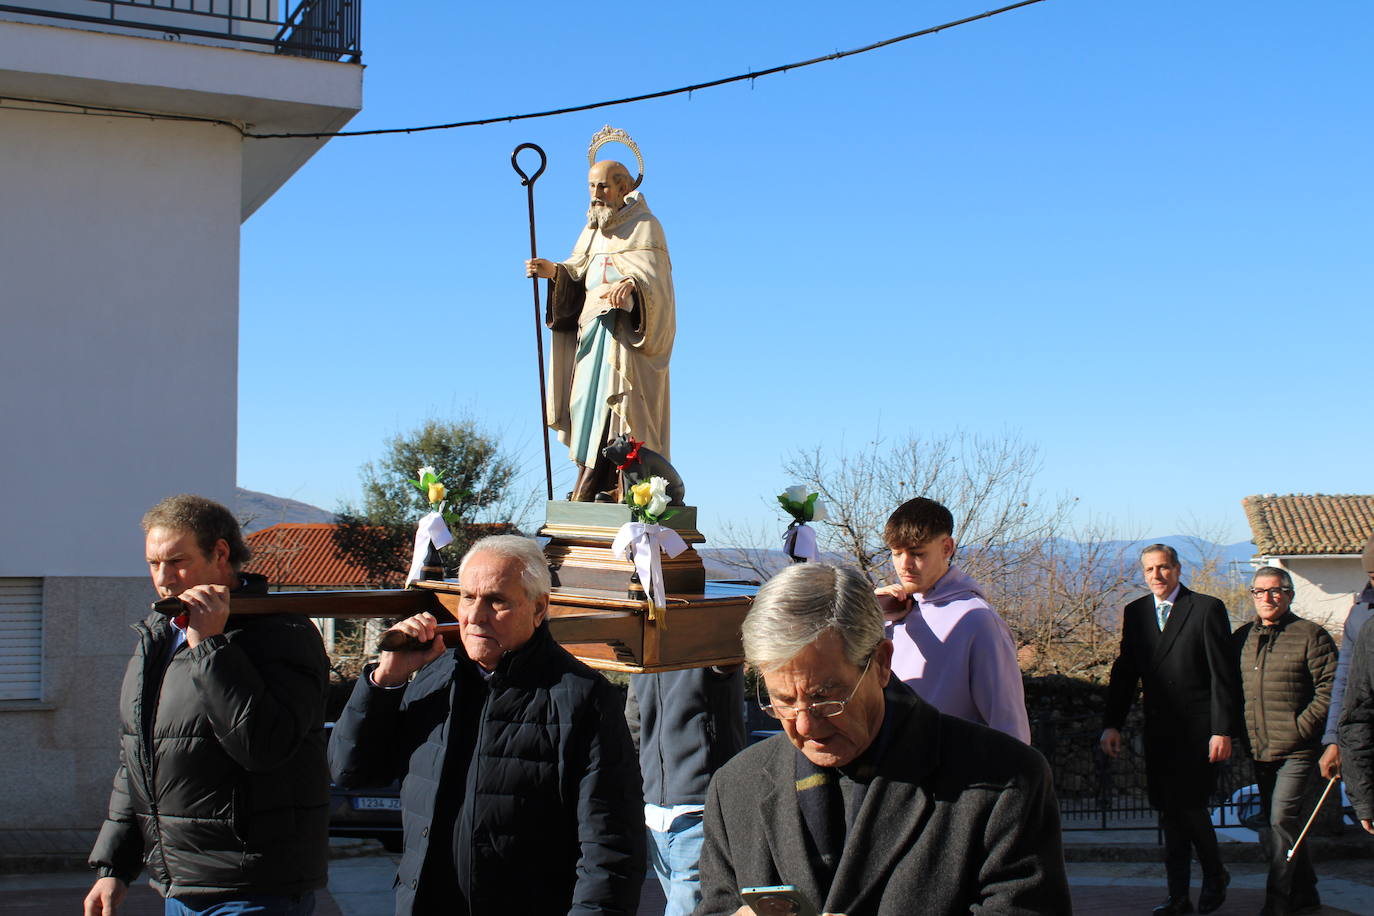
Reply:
x=522, y=792
x=222, y=789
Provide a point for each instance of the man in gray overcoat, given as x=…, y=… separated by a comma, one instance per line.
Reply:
x=871, y=803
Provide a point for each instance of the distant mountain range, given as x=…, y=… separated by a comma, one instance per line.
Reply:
x=262, y=510
x=723, y=562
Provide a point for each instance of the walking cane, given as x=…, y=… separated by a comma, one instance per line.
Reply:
x=1315, y=810
x=528, y=181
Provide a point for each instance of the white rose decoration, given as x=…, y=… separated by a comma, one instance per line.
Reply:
x=657, y=503
x=818, y=512
x=798, y=493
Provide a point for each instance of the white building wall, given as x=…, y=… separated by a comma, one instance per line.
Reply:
x=118, y=341
x=119, y=260
x=119, y=241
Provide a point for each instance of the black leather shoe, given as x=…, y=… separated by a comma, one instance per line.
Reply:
x=1173, y=906
x=1213, y=893
x=1309, y=902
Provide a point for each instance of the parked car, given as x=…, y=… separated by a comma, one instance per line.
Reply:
x=373, y=814
x=1247, y=809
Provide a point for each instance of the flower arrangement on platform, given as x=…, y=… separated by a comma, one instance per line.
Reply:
x=648, y=501
x=803, y=505
x=799, y=540
x=431, y=487
x=644, y=538
x=432, y=532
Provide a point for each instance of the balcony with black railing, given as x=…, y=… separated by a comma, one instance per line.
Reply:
x=318, y=29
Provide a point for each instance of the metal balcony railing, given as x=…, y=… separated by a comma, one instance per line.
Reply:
x=319, y=29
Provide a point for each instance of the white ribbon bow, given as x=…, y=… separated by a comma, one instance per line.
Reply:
x=645, y=541
x=800, y=541
x=431, y=528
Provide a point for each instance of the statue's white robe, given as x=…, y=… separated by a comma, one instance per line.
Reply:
x=636, y=387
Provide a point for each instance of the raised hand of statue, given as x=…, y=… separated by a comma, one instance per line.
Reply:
x=539, y=267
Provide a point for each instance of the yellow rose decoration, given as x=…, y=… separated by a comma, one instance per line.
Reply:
x=437, y=492
x=640, y=493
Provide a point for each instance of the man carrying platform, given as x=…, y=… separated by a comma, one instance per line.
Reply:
x=521, y=791
x=222, y=789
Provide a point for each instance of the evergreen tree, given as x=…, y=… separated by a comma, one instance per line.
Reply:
x=379, y=534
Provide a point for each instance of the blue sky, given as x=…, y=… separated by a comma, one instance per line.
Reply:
x=1135, y=234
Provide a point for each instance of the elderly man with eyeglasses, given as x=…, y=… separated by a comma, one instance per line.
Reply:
x=1287, y=667
x=871, y=802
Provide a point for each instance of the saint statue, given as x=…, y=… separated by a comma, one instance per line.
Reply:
x=611, y=310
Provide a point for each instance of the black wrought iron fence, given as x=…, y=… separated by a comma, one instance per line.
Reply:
x=319, y=29
x=1097, y=792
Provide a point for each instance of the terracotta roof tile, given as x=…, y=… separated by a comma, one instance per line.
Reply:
x=302, y=555
x=1296, y=524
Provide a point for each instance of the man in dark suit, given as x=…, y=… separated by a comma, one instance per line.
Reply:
x=1175, y=643
x=871, y=802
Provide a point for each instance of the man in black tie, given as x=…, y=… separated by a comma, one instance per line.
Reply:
x=1176, y=644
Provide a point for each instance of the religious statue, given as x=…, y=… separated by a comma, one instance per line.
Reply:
x=610, y=307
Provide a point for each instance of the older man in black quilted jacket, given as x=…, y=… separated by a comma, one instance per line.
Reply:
x=522, y=792
x=1287, y=667
x=222, y=789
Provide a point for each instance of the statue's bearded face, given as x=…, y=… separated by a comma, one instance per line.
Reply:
x=598, y=215
x=608, y=182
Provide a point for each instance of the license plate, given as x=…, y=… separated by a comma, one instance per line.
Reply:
x=377, y=804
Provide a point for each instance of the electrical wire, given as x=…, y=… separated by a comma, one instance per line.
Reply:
x=480, y=122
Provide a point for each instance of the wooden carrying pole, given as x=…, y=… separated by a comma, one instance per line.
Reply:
x=606, y=630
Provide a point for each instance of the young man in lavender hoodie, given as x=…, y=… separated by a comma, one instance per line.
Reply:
x=948, y=645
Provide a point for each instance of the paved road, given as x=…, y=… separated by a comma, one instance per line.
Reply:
x=361, y=886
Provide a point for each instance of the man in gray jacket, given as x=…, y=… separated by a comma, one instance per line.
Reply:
x=686, y=724
x=1287, y=666
x=871, y=802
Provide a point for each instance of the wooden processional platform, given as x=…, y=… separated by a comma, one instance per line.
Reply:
x=596, y=611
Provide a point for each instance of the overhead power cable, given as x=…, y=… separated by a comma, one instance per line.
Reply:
x=664, y=93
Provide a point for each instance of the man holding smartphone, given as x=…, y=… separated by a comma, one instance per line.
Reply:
x=871, y=801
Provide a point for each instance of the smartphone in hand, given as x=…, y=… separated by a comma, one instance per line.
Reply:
x=782, y=900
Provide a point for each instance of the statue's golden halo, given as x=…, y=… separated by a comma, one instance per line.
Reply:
x=609, y=134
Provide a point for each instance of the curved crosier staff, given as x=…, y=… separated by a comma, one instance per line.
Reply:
x=528, y=182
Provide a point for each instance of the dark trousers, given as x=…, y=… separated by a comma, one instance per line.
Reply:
x=1285, y=788
x=1186, y=829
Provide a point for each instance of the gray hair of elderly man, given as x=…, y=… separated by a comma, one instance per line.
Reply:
x=534, y=566
x=800, y=603
x=1281, y=574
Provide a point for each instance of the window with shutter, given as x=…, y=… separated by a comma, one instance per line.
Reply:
x=21, y=639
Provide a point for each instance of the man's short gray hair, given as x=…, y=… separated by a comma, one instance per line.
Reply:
x=1282, y=575
x=534, y=571
x=800, y=603
x=1164, y=549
